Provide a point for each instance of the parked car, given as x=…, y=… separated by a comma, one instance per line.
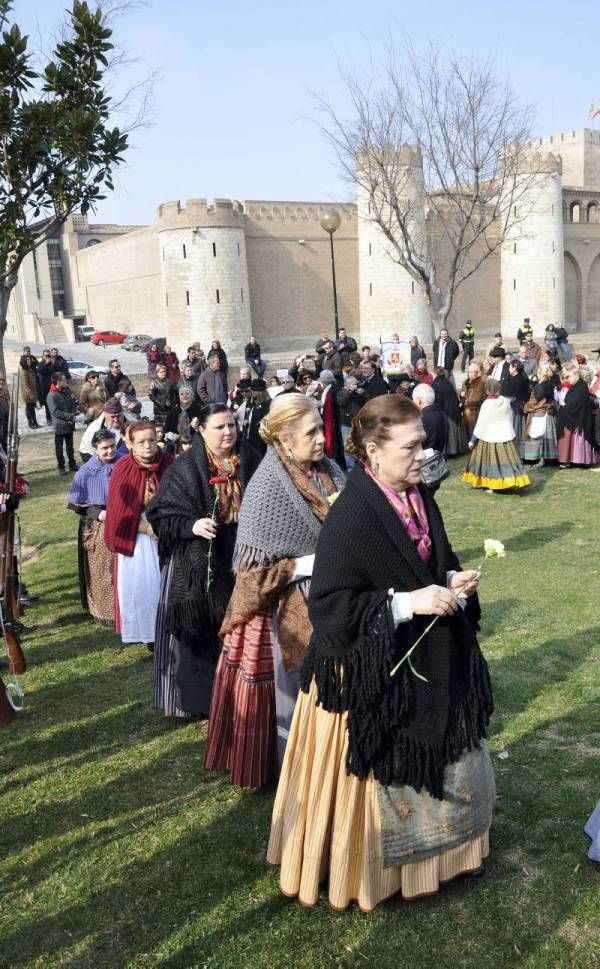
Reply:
x=84, y=333
x=102, y=337
x=79, y=368
x=159, y=342
x=134, y=342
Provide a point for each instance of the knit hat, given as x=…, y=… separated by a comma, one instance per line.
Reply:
x=113, y=406
x=495, y=422
x=186, y=392
x=258, y=384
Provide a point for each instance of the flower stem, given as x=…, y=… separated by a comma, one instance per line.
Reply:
x=406, y=658
x=210, y=544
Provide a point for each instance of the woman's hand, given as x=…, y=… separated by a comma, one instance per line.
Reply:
x=101, y=515
x=470, y=445
x=465, y=583
x=434, y=600
x=146, y=528
x=205, y=528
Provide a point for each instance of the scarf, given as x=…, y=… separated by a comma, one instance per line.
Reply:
x=576, y=414
x=54, y=387
x=90, y=483
x=131, y=486
x=411, y=511
x=230, y=492
x=282, y=510
x=194, y=613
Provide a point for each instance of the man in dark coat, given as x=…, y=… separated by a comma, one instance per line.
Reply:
x=44, y=377
x=63, y=406
x=434, y=420
x=253, y=358
x=212, y=384
x=445, y=352
x=117, y=382
x=59, y=364
x=373, y=383
x=345, y=345
x=330, y=359
x=254, y=411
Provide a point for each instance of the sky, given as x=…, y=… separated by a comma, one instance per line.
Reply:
x=234, y=116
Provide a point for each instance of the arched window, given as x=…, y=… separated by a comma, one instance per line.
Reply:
x=592, y=212
x=575, y=211
x=92, y=242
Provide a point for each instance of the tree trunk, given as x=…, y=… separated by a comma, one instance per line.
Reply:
x=6, y=289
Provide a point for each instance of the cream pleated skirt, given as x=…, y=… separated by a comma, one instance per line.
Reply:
x=326, y=823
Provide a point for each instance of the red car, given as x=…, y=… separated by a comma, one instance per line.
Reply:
x=102, y=337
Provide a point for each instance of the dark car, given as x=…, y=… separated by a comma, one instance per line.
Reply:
x=159, y=342
x=135, y=341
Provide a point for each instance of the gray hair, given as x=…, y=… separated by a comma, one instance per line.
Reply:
x=326, y=377
x=424, y=393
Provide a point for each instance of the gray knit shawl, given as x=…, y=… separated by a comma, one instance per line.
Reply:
x=275, y=521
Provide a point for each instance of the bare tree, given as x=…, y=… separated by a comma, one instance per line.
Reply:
x=478, y=182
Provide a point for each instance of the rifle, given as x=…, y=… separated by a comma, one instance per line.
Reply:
x=9, y=579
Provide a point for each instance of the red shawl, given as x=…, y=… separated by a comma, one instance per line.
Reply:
x=125, y=500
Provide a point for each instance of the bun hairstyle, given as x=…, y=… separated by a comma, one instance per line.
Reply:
x=376, y=419
x=285, y=410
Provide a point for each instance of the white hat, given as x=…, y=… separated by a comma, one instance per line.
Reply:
x=495, y=422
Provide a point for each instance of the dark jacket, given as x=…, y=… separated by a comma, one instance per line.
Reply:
x=119, y=384
x=346, y=347
x=250, y=428
x=349, y=403
x=252, y=351
x=212, y=387
x=435, y=423
x=376, y=386
x=60, y=365
x=516, y=387
x=44, y=376
x=163, y=395
x=417, y=353
x=172, y=421
x=330, y=361
x=450, y=353
x=63, y=406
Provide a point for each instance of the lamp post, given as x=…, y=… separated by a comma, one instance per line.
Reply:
x=331, y=221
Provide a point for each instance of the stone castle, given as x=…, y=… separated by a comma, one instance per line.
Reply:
x=230, y=269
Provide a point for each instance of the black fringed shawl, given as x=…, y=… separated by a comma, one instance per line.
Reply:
x=192, y=613
x=576, y=414
x=402, y=729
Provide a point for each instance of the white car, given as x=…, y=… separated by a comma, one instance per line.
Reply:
x=79, y=368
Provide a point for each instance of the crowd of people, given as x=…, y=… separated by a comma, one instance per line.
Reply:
x=240, y=562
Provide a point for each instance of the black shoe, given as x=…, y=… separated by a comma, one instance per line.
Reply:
x=62, y=471
x=26, y=599
x=150, y=647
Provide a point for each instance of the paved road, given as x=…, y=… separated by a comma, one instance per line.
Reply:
x=89, y=353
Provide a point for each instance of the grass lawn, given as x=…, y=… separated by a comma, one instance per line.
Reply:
x=118, y=850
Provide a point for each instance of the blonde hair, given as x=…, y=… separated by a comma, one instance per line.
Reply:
x=284, y=412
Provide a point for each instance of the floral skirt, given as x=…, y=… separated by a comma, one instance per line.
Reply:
x=98, y=566
x=495, y=466
x=327, y=823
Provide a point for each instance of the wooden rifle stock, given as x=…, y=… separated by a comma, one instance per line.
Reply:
x=6, y=711
x=9, y=580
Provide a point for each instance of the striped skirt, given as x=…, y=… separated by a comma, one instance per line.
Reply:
x=242, y=727
x=495, y=466
x=165, y=689
x=327, y=822
x=544, y=447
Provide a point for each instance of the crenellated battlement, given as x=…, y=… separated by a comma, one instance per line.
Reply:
x=295, y=211
x=198, y=213
x=548, y=163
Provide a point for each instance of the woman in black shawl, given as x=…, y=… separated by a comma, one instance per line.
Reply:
x=194, y=515
x=447, y=400
x=575, y=422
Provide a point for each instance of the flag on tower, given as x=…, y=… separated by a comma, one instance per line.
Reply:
x=594, y=111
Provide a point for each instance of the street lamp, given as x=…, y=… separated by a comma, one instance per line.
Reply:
x=331, y=221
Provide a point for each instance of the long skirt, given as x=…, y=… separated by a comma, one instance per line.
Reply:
x=252, y=704
x=165, y=688
x=592, y=829
x=457, y=438
x=327, y=822
x=574, y=449
x=138, y=590
x=96, y=567
x=544, y=447
x=495, y=466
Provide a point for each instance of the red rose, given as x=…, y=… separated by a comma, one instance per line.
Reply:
x=218, y=480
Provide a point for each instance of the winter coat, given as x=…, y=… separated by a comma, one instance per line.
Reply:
x=92, y=400
x=63, y=406
x=164, y=397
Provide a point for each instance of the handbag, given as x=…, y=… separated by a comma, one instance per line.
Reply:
x=537, y=428
x=434, y=469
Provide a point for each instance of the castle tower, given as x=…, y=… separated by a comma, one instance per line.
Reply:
x=204, y=274
x=532, y=257
x=390, y=300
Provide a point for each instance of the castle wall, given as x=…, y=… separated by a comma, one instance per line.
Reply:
x=118, y=284
x=579, y=150
x=289, y=270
